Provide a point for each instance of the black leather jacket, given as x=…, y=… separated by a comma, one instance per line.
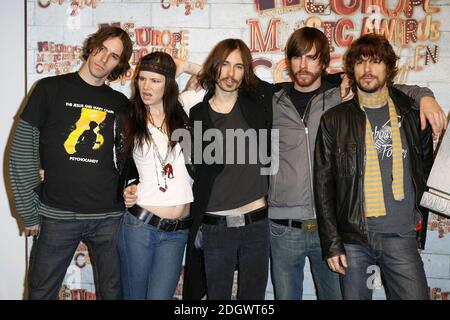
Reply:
x=339, y=171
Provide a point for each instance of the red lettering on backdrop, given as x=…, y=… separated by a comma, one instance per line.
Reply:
x=342, y=9
x=410, y=4
x=261, y=62
x=391, y=30
x=340, y=36
x=411, y=31
x=142, y=36
x=313, y=8
x=328, y=28
x=267, y=44
x=392, y=13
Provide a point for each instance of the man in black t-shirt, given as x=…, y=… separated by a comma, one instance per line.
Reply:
x=297, y=109
x=229, y=194
x=68, y=128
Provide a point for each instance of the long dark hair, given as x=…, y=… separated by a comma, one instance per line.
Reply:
x=213, y=64
x=136, y=125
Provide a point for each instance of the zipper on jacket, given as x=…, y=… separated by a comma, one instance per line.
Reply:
x=313, y=205
x=304, y=121
x=363, y=168
x=308, y=150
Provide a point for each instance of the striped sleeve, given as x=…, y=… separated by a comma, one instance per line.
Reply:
x=24, y=171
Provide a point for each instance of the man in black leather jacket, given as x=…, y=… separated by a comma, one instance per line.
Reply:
x=368, y=183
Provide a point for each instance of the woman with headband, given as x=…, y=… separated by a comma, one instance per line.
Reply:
x=154, y=232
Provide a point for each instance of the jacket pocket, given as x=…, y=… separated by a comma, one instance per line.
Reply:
x=346, y=160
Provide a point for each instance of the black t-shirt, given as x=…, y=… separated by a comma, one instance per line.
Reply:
x=301, y=99
x=76, y=125
x=240, y=182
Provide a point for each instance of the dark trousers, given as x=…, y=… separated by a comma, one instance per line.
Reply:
x=245, y=249
x=400, y=263
x=55, y=247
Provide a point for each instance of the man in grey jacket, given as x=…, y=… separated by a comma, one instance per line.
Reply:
x=297, y=109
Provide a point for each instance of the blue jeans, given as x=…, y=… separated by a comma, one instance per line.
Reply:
x=245, y=248
x=57, y=242
x=289, y=248
x=400, y=263
x=150, y=259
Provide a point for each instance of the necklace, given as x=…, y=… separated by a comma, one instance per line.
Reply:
x=167, y=169
x=160, y=128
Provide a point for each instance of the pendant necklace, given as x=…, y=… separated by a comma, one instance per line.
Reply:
x=160, y=128
x=167, y=169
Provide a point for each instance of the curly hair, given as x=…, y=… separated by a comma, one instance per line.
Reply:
x=95, y=40
x=371, y=46
x=213, y=63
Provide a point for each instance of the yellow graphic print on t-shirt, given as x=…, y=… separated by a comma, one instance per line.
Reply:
x=86, y=138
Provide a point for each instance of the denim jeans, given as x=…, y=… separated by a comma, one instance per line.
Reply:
x=150, y=259
x=289, y=248
x=243, y=248
x=54, y=250
x=400, y=263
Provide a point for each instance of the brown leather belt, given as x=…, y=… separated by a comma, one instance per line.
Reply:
x=307, y=225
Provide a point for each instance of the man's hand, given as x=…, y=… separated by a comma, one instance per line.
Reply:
x=42, y=174
x=193, y=84
x=188, y=67
x=33, y=230
x=338, y=263
x=129, y=195
x=346, y=89
x=431, y=111
x=180, y=66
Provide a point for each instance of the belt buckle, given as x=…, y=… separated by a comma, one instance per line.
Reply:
x=235, y=221
x=147, y=218
x=168, y=225
x=309, y=226
x=175, y=225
